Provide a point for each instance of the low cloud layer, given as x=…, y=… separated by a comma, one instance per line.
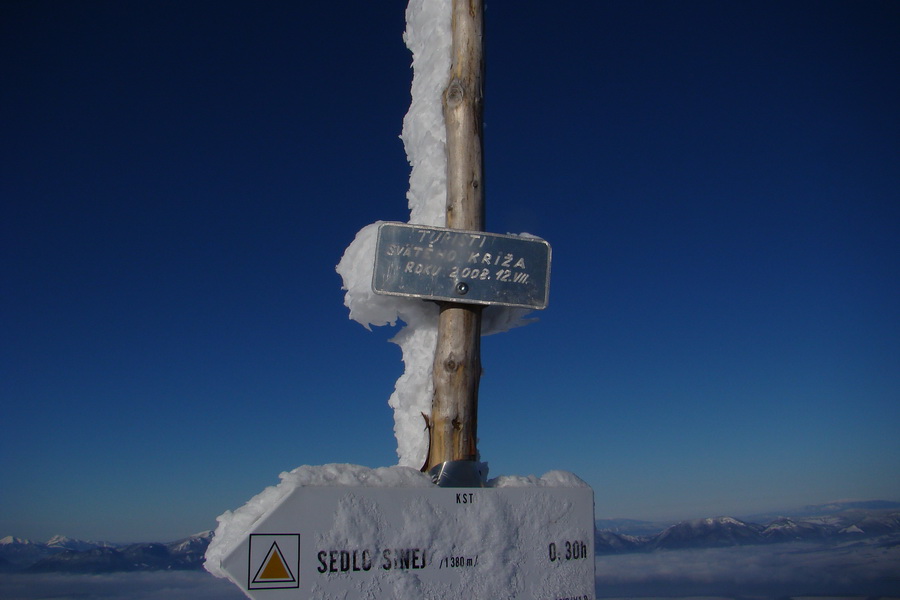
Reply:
x=182, y=585
x=776, y=571
x=770, y=571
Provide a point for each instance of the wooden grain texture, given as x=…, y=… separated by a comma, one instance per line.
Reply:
x=457, y=362
x=463, y=102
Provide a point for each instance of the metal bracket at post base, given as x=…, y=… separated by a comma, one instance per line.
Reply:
x=458, y=473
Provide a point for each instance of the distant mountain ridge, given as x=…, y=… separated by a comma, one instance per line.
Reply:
x=848, y=521
x=845, y=522
x=65, y=555
x=62, y=542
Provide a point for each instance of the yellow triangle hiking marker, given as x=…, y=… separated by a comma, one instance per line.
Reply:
x=274, y=569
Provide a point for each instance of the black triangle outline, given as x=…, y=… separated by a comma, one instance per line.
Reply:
x=273, y=549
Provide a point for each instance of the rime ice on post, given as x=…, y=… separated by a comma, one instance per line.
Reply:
x=338, y=531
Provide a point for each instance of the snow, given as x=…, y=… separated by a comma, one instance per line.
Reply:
x=9, y=540
x=59, y=540
x=235, y=526
x=428, y=36
x=549, y=479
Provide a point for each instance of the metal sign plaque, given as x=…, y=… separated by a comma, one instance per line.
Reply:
x=472, y=267
x=527, y=543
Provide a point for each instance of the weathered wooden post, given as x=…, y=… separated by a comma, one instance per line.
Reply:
x=350, y=531
x=457, y=362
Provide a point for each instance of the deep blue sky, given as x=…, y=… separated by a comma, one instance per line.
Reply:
x=719, y=181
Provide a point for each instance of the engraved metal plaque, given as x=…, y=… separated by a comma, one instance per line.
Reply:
x=471, y=267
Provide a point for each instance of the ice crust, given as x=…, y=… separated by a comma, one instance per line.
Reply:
x=428, y=36
x=235, y=526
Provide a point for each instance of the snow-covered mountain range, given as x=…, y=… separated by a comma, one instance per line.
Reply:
x=840, y=522
x=62, y=554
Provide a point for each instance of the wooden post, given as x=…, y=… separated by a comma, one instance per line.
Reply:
x=457, y=361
